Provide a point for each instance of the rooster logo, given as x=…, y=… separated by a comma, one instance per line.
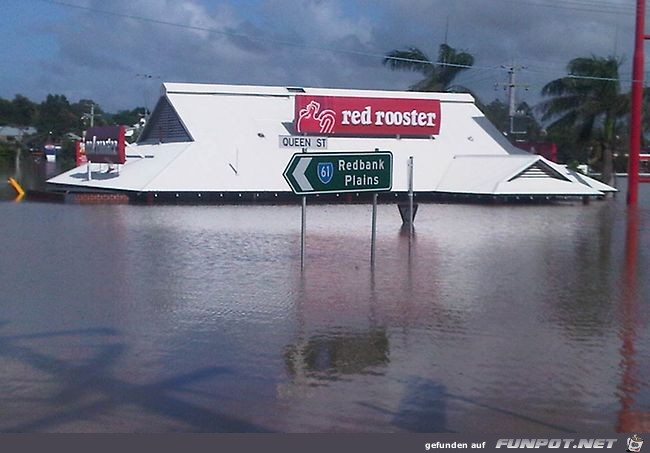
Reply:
x=311, y=118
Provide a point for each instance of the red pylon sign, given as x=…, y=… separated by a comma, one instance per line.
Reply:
x=637, y=101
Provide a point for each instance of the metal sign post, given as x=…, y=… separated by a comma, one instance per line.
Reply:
x=303, y=228
x=349, y=172
x=410, y=169
x=373, y=237
x=303, y=231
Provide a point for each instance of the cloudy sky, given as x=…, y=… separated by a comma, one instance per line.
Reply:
x=117, y=52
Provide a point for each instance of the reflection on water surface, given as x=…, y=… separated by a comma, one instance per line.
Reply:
x=496, y=318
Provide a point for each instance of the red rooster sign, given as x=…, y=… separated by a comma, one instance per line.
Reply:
x=311, y=118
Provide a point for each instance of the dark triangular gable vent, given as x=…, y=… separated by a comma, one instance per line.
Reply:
x=164, y=126
x=539, y=170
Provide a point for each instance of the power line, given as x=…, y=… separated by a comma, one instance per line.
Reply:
x=581, y=77
x=592, y=7
x=329, y=49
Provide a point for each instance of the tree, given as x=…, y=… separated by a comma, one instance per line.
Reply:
x=438, y=76
x=56, y=116
x=19, y=112
x=6, y=112
x=526, y=126
x=498, y=113
x=7, y=154
x=589, y=102
x=86, y=108
x=129, y=117
x=25, y=111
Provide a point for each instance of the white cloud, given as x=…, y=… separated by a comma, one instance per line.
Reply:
x=333, y=43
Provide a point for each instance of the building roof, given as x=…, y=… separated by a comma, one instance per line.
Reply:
x=225, y=138
x=15, y=131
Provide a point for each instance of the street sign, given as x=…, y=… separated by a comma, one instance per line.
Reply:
x=301, y=141
x=319, y=173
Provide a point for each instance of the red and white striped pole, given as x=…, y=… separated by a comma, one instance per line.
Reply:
x=637, y=102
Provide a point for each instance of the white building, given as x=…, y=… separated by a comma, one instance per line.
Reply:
x=11, y=134
x=222, y=142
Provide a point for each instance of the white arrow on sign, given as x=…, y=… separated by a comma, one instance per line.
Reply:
x=299, y=174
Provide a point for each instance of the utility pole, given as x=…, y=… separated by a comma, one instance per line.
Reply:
x=637, y=102
x=91, y=115
x=512, y=86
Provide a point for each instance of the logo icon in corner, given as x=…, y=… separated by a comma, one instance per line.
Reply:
x=634, y=444
x=325, y=172
x=312, y=116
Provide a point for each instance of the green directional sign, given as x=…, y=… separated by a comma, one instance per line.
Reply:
x=316, y=173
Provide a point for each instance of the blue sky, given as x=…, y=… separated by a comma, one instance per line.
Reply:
x=102, y=49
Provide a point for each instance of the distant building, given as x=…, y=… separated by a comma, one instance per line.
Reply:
x=12, y=134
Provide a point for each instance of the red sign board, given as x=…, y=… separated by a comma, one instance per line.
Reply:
x=80, y=153
x=356, y=116
x=106, y=144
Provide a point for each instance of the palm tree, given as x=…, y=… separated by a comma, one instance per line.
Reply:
x=590, y=100
x=438, y=76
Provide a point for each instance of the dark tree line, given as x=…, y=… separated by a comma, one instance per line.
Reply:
x=585, y=113
x=56, y=116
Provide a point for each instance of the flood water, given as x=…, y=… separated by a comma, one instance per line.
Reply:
x=198, y=318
